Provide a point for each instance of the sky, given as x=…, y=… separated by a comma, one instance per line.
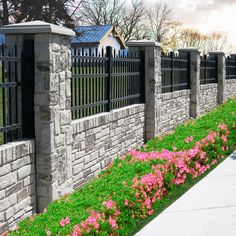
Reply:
x=206, y=15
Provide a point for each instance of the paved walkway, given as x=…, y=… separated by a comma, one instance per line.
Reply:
x=207, y=209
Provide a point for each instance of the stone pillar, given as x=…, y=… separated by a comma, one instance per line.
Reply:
x=152, y=78
x=52, y=102
x=221, y=75
x=195, y=60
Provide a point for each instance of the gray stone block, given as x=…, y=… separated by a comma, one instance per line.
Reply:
x=21, y=162
x=24, y=172
x=5, y=169
x=4, y=204
x=8, y=180
x=23, y=194
x=14, y=189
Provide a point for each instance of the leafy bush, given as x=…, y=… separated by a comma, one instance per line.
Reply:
x=139, y=185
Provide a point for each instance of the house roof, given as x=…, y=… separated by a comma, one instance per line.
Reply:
x=94, y=34
x=88, y=35
x=2, y=39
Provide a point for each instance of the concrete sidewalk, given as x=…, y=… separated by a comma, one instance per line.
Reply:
x=207, y=209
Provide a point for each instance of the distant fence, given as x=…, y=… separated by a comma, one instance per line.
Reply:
x=208, y=69
x=231, y=67
x=105, y=80
x=175, y=72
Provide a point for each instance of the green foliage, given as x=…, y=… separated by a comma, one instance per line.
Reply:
x=110, y=182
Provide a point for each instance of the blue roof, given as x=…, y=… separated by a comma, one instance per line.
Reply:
x=2, y=39
x=90, y=34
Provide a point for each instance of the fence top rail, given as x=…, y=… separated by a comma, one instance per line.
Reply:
x=95, y=53
x=90, y=57
x=210, y=58
x=176, y=56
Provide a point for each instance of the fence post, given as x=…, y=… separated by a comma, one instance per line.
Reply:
x=109, y=78
x=221, y=75
x=194, y=55
x=52, y=103
x=152, y=88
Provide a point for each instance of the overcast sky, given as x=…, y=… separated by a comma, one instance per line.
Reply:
x=206, y=15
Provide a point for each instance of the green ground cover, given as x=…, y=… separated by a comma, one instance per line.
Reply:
x=116, y=202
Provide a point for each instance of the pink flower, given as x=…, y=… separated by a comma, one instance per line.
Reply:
x=48, y=233
x=67, y=220
x=112, y=222
x=126, y=202
x=93, y=221
x=223, y=126
x=62, y=222
x=214, y=162
x=202, y=155
x=117, y=212
x=189, y=139
x=109, y=204
x=150, y=212
x=224, y=138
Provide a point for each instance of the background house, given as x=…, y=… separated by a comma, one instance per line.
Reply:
x=97, y=37
x=2, y=39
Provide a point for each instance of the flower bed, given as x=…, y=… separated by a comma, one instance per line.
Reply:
x=136, y=186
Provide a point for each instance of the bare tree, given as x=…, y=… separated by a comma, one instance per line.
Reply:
x=102, y=12
x=132, y=25
x=192, y=38
x=217, y=42
x=162, y=27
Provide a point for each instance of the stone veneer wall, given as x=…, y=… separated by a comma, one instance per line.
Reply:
x=230, y=88
x=207, y=97
x=175, y=109
x=53, y=130
x=100, y=138
x=17, y=183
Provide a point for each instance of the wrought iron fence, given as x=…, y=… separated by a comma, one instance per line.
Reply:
x=230, y=67
x=10, y=89
x=208, y=69
x=17, y=92
x=175, y=71
x=105, y=80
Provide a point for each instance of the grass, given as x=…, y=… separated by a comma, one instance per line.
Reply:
x=110, y=183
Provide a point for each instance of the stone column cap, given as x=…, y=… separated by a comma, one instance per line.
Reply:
x=143, y=43
x=216, y=53
x=190, y=49
x=36, y=27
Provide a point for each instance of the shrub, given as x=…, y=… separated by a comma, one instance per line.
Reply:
x=138, y=185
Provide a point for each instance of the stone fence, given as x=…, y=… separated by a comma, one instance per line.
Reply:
x=64, y=153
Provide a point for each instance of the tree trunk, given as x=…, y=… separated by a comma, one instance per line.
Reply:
x=5, y=19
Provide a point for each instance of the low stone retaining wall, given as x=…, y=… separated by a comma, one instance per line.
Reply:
x=230, y=88
x=207, y=97
x=17, y=183
x=175, y=109
x=100, y=138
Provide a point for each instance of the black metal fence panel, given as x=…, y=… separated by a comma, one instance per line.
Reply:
x=104, y=80
x=175, y=71
x=208, y=69
x=230, y=67
x=10, y=92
